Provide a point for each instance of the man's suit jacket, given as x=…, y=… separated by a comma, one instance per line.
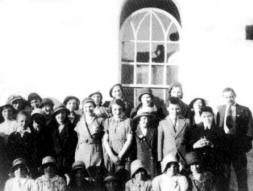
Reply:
x=243, y=127
x=170, y=141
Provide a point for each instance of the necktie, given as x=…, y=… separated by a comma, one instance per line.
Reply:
x=228, y=122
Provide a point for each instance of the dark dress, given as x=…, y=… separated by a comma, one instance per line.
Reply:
x=146, y=149
x=205, y=184
x=63, y=144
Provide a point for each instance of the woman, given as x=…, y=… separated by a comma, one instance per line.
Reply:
x=63, y=138
x=194, y=110
x=50, y=181
x=170, y=179
x=78, y=178
x=9, y=124
x=139, y=180
x=146, y=142
x=20, y=179
x=90, y=132
x=117, y=138
x=72, y=104
x=116, y=92
x=147, y=104
x=199, y=180
x=21, y=142
x=100, y=110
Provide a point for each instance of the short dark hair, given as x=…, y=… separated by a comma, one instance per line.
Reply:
x=173, y=100
x=228, y=89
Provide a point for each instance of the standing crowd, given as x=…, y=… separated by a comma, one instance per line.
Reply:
x=111, y=146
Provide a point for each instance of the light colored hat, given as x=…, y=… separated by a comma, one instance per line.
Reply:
x=110, y=178
x=78, y=165
x=88, y=100
x=37, y=111
x=17, y=162
x=170, y=158
x=145, y=91
x=135, y=166
x=13, y=98
x=48, y=160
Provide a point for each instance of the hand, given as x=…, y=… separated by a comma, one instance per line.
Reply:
x=200, y=143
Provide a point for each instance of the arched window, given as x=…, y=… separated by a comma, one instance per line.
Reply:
x=148, y=37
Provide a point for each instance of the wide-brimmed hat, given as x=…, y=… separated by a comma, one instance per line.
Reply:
x=33, y=96
x=7, y=106
x=150, y=115
x=47, y=101
x=38, y=111
x=170, y=158
x=18, y=162
x=78, y=165
x=72, y=97
x=13, y=98
x=192, y=158
x=136, y=165
x=145, y=91
x=110, y=178
x=97, y=92
x=120, y=86
x=88, y=100
x=60, y=108
x=48, y=160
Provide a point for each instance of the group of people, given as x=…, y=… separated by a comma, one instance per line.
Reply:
x=94, y=145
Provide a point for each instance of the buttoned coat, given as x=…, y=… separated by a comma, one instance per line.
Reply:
x=243, y=128
x=169, y=140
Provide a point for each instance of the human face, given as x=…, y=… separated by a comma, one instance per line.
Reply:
x=17, y=104
x=60, y=117
x=146, y=100
x=48, y=109
x=79, y=175
x=88, y=109
x=143, y=121
x=117, y=111
x=35, y=103
x=117, y=93
x=174, y=110
x=97, y=99
x=195, y=168
x=197, y=105
x=172, y=169
x=71, y=105
x=49, y=170
x=140, y=175
x=20, y=171
x=22, y=121
x=229, y=97
x=7, y=113
x=207, y=118
x=111, y=186
x=176, y=92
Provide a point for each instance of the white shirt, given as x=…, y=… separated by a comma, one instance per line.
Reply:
x=19, y=184
x=6, y=128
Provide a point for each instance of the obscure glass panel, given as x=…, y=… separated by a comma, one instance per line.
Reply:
x=127, y=33
x=165, y=20
x=171, y=49
x=173, y=34
x=142, y=52
x=144, y=30
x=157, y=30
x=127, y=74
x=158, y=52
x=142, y=74
x=157, y=75
x=129, y=94
x=127, y=54
x=172, y=74
x=136, y=19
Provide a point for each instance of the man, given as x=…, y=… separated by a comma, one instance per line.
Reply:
x=236, y=122
x=171, y=131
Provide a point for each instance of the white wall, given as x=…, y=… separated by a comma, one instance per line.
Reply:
x=61, y=47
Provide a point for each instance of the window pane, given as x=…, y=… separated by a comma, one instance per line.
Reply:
x=136, y=19
x=142, y=74
x=165, y=20
x=158, y=53
x=143, y=32
x=129, y=94
x=157, y=30
x=172, y=74
x=127, y=72
x=173, y=34
x=171, y=49
x=157, y=75
x=142, y=52
x=127, y=33
x=127, y=52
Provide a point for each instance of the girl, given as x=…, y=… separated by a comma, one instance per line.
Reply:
x=100, y=110
x=72, y=104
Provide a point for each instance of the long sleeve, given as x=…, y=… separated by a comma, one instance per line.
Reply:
x=160, y=139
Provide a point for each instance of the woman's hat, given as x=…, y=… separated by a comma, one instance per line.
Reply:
x=38, y=111
x=48, y=160
x=139, y=115
x=170, y=158
x=145, y=91
x=110, y=178
x=69, y=98
x=60, y=108
x=47, y=101
x=88, y=100
x=192, y=158
x=120, y=86
x=97, y=92
x=9, y=106
x=136, y=165
x=78, y=165
x=13, y=98
x=33, y=96
x=18, y=162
